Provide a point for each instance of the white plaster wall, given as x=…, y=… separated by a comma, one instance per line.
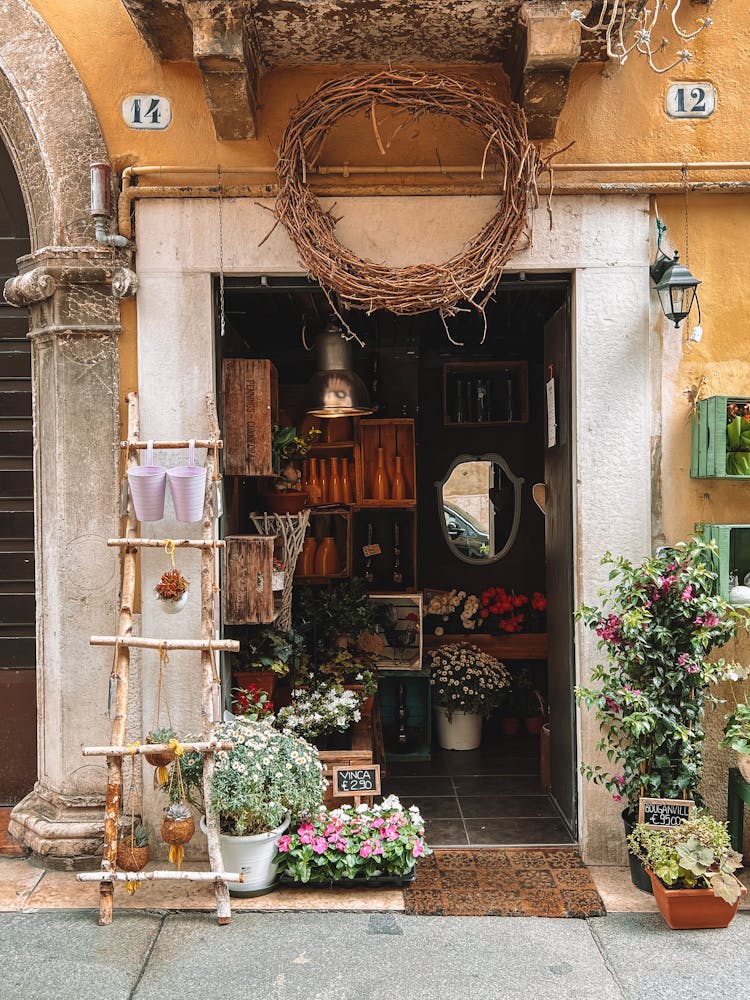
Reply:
x=603, y=241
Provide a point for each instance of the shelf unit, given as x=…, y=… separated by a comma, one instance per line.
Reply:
x=396, y=438
x=334, y=522
x=733, y=543
x=492, y=375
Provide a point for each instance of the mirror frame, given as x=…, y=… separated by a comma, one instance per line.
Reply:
x=517, y=484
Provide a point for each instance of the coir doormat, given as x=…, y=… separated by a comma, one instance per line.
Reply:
x=512, y=882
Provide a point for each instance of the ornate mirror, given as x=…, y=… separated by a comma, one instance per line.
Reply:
x=479, y=508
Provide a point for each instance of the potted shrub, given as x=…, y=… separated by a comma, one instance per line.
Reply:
x=466, y=686
x=323, y=715
x=659, y=622
x=691, y=869
x=288, y=449
x=161, y=759
x=173, y=591
x=268, y=778
x=737, y=722
x=269, y=655
x=377, y=844
x=335, y=617
x=250, y=703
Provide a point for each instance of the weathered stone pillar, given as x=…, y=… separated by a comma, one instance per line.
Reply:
x=74, y=324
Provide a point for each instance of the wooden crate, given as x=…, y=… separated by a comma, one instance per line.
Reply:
x=403, y=641
x=249, y=408
x=733, y=542
x=339, y=523
x=342, y=758
x=708, y=457
x=248, y=590
x=387, y=434
x=518, y=646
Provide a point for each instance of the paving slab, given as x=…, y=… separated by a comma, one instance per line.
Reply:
x=65, y=955
x=648, y=959
x=352, y=956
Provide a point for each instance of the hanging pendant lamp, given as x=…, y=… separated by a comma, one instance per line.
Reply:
x=336, y=390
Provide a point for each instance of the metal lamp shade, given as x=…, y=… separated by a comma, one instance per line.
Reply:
x=335, y=390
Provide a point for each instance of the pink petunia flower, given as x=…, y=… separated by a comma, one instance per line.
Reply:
x=418, y=849
x=284, y=843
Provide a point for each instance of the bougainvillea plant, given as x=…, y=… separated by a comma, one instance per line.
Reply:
x=657, y=626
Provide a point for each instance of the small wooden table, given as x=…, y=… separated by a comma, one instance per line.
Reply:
x=737, y=798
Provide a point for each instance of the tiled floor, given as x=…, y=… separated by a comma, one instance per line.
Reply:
x=481, y=798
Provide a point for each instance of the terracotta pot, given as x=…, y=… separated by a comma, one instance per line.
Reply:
x=263, y=680
x=131, y=859
x=510, y=725
x=692, y=909
x=288, y=502
x=533, y=724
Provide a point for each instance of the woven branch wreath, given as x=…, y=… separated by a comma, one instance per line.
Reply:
x=361, y=283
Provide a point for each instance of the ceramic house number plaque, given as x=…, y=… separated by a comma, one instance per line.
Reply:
x=696, y=99
x=146, y=111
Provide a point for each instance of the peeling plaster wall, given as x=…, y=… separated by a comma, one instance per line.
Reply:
x=603, y=241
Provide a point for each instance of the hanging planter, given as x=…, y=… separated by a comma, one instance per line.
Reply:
x=148, y=485
x=177, y=829
x=161, y=759
x=133, y=851
x=173, y=591
x=188, y=486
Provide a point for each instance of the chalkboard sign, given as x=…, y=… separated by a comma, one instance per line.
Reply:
x=348, y=780
x=661, y=813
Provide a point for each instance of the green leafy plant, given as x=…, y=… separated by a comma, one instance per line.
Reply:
x=138, y=838
x=343, y=610
x=271, y=649
x=251, y=703
x=466, y=679
x=737, y=721
x=288, y=446
x=267, y=775
x=696, y=854
x=658, y=624
x=162, y=734
x=354, y=842
x=345, y=666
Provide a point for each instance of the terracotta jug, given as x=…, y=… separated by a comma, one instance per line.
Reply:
x=313, y=484
x=334, y=483
x=346, y=483
x=327, y=562
x=398, y=486
x=306, y=561
x=380, y=490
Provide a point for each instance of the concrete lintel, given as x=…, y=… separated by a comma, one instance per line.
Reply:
x=547, y=47
x=228, y=60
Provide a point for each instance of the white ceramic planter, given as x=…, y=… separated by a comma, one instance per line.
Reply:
x=253, y=856
x=173, y=607
x=463, y=732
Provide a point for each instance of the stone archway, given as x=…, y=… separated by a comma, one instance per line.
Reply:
x=51, y=132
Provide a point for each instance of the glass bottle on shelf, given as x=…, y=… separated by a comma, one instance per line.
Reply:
x=314, y=493
x=323, y=481
x=334, y=483
x=471, y=398
x=398, y=576
x=460, y=411
x=368, y=574
x=509, y=410
x=402, y=717
x=346, y=483
x=481, y=413
x=380, y=485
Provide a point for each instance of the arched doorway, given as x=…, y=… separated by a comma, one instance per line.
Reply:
x=18, y=766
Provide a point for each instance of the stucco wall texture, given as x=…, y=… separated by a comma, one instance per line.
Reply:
x=612, y=115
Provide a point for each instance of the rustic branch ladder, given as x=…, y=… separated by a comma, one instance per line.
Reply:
x=119, y=681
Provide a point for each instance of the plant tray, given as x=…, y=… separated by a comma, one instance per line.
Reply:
x=374, y=882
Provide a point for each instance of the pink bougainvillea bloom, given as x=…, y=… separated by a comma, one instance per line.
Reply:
x=320, y=845
x=619, y=780
x=418, y=849
x=687, y=594
x=692, y=668
x=611, y=705
x=617, y=798
x=284, y=843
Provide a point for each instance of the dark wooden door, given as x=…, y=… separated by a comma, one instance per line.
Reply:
x=558, y=526
x=17, y=599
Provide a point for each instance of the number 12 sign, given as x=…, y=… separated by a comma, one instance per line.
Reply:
x=696, y=99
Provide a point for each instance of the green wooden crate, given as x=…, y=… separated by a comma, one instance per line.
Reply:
x=418, y=721
x=708, y=458
x=733, y=542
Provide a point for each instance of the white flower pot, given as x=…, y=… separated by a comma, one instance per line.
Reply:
x=173, y=607
x=463, y=732
x=253, y=856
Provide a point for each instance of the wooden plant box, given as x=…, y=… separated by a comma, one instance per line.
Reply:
x=515, y=646
x=733, y=542
x=388, y=434
x=250, y=407
x=248, y=590
x=708, y=457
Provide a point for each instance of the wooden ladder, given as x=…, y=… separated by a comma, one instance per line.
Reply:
x=124, y=641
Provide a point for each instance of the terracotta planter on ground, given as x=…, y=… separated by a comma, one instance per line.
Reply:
x=263, y=680
x=692, y=909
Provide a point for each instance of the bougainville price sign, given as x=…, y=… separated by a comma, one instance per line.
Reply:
x=661, y=813
x=356, y=780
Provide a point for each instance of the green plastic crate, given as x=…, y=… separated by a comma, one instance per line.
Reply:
x=733, y=542
x=708, y=458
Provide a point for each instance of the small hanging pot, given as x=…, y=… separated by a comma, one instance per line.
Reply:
x=177, y=829
x=131, y=858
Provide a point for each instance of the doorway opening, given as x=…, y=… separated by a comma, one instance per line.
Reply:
x=478, y=418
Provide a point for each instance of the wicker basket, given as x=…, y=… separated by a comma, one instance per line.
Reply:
x=177, y=831
x=131, y=859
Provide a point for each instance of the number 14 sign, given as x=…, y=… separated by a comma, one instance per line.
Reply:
x=696, y=99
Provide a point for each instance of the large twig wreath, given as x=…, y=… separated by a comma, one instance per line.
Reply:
x=470, y=276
